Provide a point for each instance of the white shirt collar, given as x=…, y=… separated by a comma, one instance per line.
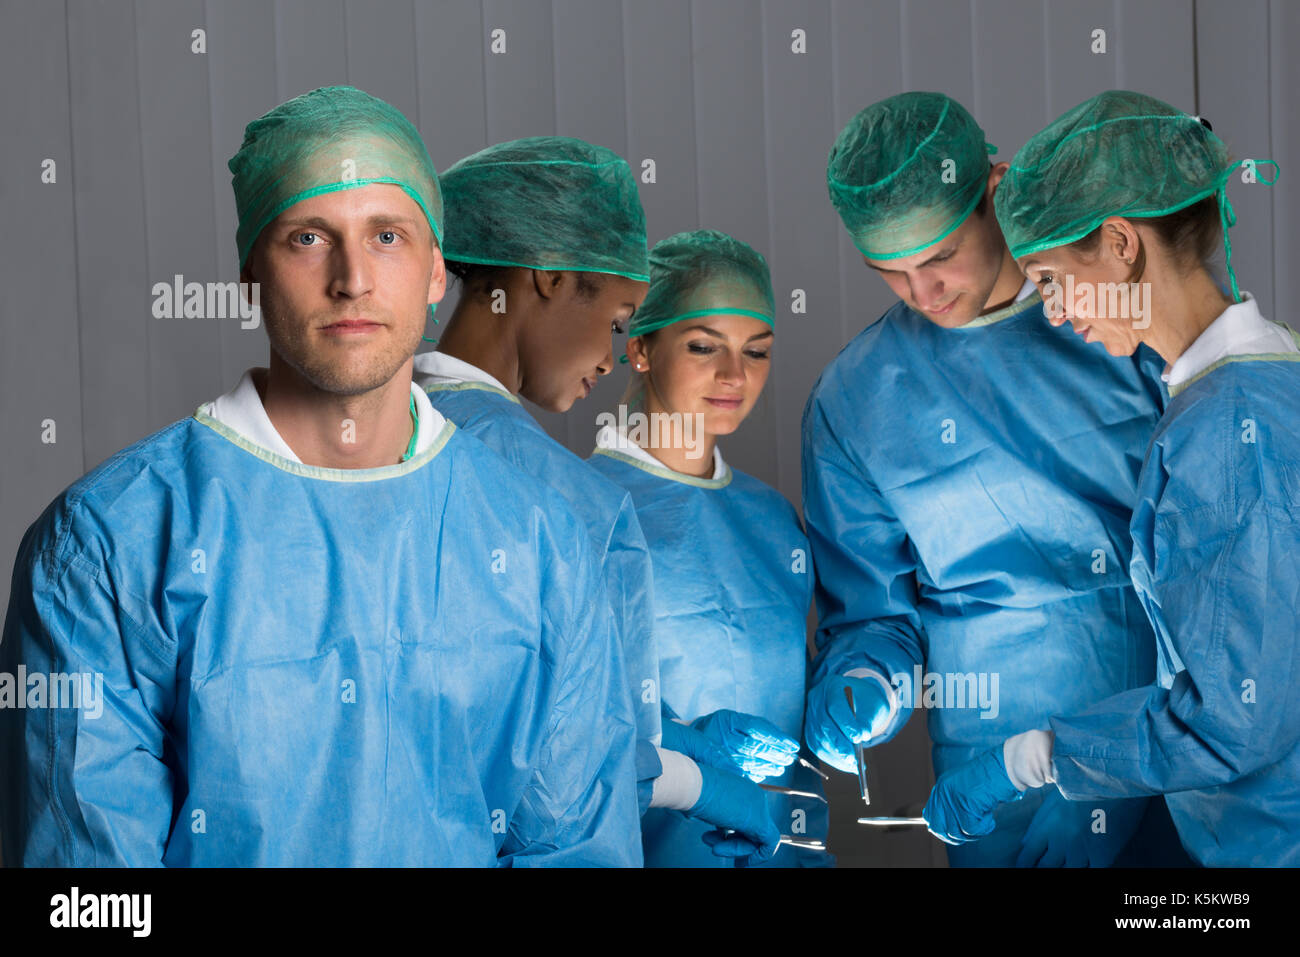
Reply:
x=241, y=409
x=438, y=368
x=611, y=437
x=1240, y=330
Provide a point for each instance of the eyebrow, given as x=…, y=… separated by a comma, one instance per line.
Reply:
x=718, y=335
x=378, y=219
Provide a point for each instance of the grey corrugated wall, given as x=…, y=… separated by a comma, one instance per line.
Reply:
x=139, y=128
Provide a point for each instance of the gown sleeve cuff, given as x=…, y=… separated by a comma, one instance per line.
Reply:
x=890, y=690
x=1028, y=758
x=680, y=785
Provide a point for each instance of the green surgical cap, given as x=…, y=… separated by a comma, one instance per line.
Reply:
x=906, y=172
x=703, y=273
x=546, y=202
x=1117, y=154
x=333, y=138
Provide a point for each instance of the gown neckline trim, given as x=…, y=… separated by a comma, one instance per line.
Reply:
x=1253, y=357
x=1006, y=312
x=462, y=386
x=666, y=473
x=419, y=460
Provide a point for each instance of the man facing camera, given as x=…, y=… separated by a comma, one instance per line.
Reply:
x=331, y=628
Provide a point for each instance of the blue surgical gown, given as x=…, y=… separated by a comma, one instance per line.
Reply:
x=967, y=494
x=308, y=666
x=497, y=419
x=1216, y=562
x=733, y=586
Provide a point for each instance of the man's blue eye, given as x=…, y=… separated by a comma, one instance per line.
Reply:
x=388, y=233
x=304, y=236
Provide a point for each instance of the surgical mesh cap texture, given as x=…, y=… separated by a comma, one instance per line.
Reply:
x=546, y=202
x=702, y=273
x=1117, y=154
x=333, y=138
x=906, y=172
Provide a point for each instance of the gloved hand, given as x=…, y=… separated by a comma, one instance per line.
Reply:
x=755, y=745
x=832, y=727
x=697, y=746
x=730, y=802
x=961, y=805
x=1061, y=832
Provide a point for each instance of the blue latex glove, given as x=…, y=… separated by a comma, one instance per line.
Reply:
x=756, y=745
x=832, y=728
x=697, y=746
x=735, y=804
x=961, y=805
x=1061, y=833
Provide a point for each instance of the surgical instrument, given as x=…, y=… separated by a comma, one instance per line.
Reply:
x=860, y=753
x=814, y=769
x=777, y=789
x=892, y=821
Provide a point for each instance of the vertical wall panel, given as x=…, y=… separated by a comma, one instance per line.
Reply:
x=311, y=47
x=800, y=129
x=1232, y=41
x=40, y=364
x=449, y=38
x=661, y=112
x=1284, y=82
x=451, y=41
x=242, y=79
x=589, y=88
x=936, y=47
x=867, y=50
x=1008, y=60
x=107, y=181
x=1154, y=51
x=1074, y=71
x=176, y=146
x=520, y=83
x=868, y=67
x=381, y=51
